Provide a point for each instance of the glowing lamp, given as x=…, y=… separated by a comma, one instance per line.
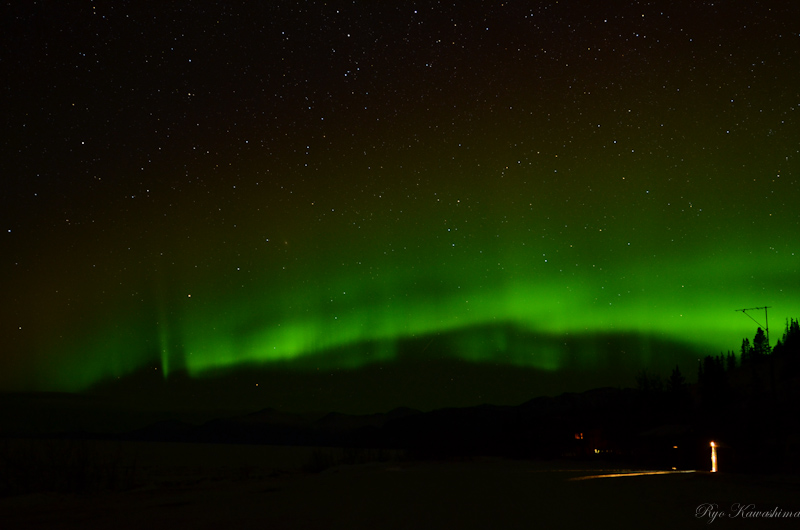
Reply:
x=713, y=457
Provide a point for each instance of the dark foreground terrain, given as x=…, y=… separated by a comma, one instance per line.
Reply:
x=178, y=485
x=604, y=458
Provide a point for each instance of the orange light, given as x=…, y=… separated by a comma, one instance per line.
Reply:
x=632, y=474
x=713, y=457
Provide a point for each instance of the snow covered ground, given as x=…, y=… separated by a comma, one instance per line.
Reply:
x=229, y=486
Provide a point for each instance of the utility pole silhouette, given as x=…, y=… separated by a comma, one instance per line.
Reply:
x=766, y=317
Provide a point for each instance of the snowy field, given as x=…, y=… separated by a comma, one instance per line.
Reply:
x=229, y=486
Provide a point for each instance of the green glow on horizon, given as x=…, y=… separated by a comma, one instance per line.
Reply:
x=705, y=319
x=336, y=295
x=691, y=303
x=295, y=318
x=297, y=322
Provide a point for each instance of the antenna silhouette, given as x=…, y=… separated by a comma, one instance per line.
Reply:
x=766, y=317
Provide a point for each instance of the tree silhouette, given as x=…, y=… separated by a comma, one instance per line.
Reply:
x=760, y=345
x=789, y=344
x=746, y=351
x=648, y=383
x=730, y=361
x=791, y=339
x=676, y=381
x=712, y=380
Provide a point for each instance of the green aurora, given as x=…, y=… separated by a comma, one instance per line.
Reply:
x=361, y=315
x=297, y=281
x=331, y=189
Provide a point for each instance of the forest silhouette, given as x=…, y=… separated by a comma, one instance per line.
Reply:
x=747, y=402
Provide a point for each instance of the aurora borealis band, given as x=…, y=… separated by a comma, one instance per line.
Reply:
x=197, y=187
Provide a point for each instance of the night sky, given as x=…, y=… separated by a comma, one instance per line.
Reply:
x=331, y=187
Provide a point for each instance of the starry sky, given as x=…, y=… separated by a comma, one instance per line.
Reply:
x=557, y=187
